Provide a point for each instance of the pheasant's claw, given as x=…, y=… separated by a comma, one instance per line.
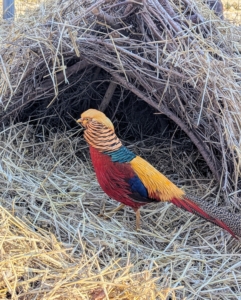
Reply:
x=104, y=216
x=111, y=213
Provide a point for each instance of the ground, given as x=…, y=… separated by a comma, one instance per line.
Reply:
x=232, y=8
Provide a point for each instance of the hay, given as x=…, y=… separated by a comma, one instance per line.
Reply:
x=49, y=188
x=34, y=265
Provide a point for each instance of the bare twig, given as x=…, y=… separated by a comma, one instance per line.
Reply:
x=108, y=95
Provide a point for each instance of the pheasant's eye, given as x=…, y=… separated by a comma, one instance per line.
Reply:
x=87, y=119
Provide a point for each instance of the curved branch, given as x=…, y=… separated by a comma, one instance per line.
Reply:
x=199, y=144
x=64, y=75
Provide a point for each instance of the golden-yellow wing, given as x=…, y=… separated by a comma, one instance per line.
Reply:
x=159, y=187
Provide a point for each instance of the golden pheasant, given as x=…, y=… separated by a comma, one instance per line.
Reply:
x=132, y=181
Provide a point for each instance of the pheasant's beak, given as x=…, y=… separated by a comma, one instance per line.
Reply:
x=82, y=121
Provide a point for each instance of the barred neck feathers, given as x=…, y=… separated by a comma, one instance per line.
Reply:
x=101, y=137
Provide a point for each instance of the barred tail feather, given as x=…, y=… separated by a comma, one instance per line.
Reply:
x=214, y=214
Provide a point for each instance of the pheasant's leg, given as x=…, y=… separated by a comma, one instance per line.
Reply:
x=111, y=213
x=138, y=218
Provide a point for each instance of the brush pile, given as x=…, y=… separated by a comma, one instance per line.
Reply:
x=177, y=56
x=132, y=59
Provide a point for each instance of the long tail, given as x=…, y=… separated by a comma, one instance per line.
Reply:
x=217, y=215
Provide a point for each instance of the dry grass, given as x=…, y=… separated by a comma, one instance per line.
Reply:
x=62, y=249
x=34, y=265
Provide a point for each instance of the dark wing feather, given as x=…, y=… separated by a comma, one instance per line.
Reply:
x=138, y=190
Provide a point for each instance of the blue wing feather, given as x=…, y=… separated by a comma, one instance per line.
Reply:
x=137, y=186
x=139, y=192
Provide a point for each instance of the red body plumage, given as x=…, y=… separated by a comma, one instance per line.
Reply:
x=113, y=177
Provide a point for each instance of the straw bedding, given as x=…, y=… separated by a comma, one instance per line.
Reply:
x=56, y=239
x=56, y=245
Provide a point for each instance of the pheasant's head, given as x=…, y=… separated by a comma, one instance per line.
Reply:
x=100, y=132
x=95, y=115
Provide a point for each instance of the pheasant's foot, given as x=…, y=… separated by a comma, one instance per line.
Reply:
x=138, y=218
x=111, y=213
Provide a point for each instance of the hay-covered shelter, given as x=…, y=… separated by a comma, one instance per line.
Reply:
x=168, y=74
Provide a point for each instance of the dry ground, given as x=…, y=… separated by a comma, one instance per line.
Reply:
x=232, y=11
x=232, y=8
x=58, y=247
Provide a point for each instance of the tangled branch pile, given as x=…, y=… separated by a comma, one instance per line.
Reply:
x=177, y=56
